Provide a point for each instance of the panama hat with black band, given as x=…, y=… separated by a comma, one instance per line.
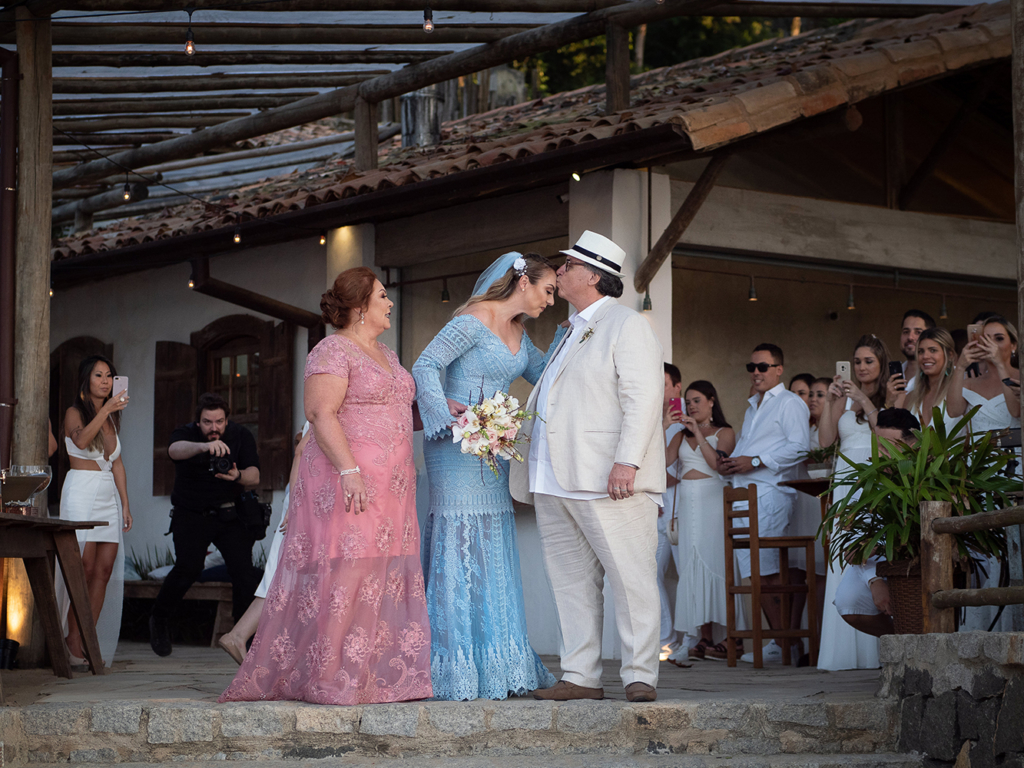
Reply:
x=598, y=251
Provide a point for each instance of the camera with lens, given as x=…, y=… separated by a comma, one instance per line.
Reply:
x=220, y=465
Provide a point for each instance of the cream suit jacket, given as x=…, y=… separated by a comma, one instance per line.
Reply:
x=604, y=407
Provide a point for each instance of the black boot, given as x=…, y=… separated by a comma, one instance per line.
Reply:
x=159, y=636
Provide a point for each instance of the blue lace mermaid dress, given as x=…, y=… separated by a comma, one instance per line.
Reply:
x=479, y=646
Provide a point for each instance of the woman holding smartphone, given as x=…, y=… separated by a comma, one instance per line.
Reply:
x=992, y=392
x=96, y=491
x=849, y=413
x=697, y=500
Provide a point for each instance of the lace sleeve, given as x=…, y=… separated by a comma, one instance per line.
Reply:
x=539, y=361
x=327, y=357
x=451, y=342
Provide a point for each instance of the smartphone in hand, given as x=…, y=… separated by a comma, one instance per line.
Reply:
x=974, y=331
x=120, y=386
x=843, y=370
x=675, y=404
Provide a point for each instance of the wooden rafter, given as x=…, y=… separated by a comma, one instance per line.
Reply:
x=136, y=59
x=680, y=221
x=150, y=104
x=201, y=83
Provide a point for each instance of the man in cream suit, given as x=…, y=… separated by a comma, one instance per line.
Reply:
x=594, y=470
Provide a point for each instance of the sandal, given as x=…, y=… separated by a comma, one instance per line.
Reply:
x=698, y=651
x=720, y=652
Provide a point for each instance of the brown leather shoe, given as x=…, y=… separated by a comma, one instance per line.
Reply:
x=566, y=691
x=640, y=692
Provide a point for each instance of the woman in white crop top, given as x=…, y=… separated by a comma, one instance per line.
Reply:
x=696, y=507
x=95, y=490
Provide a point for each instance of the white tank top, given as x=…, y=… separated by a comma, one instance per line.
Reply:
x=693, y=458
x=94, y=454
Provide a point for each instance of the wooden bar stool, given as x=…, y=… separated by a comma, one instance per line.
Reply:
x=738, y=537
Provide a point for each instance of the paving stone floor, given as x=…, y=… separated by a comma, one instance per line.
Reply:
x=200, y=674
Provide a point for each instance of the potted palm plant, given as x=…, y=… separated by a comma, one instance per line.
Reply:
x=818, y=461
x=878, y=512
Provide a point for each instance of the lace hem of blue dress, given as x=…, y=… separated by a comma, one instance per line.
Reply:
x=492, y=673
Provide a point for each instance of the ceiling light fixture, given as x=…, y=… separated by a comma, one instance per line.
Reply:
x=190, y=46
x=323, y=237
x=752, y=293
x=849, y=299
x=238, y=234
x=428, y=20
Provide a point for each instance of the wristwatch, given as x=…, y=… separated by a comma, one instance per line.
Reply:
x=755, y=462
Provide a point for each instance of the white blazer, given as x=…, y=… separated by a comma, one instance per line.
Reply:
x=604, y=407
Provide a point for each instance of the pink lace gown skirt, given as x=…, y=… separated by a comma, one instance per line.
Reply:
x=345, y=621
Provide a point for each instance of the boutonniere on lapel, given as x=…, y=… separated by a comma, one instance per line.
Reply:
x=586, y=335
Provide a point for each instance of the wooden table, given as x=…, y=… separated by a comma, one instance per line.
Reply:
x=33, y=539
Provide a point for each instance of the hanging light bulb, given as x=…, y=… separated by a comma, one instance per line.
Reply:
x=190, y=46
x=238, y=234
x=943, y=314
x=191, y=284
x=428, y=20
x=647, y=301
x=575, y=176
x=127, y=189
x=445, y=296
x=752, y=293
x=323, y=237
x=849, y=299
x=51, y=293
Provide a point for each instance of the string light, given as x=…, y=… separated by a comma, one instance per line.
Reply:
x=849, y=299
x=575, y=176
x=238, y=234
x=428, y=20
x=127, y=189
x=942, y=311
x=190, y=46
x=445, y=296
x=752, y=293
x=323, y=237
x=51, y=293
x=191, y=284
x=647, y=301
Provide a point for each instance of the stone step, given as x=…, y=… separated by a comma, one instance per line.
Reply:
x=181, y=730
x=884, y=760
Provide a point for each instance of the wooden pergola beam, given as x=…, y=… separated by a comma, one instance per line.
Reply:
x=169, y=33
x=128, y=122
x=113, y=198
x=385, y=87
x=365, y=114
x=112, y=139
x=680, y=221
x=240, y=58
x=616, y=68
x=203, y=83
x=68, y=107
x=895, y=155
x=945, y=140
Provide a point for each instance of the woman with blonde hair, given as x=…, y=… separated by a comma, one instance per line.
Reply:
x=936, y=362
x=480, y=648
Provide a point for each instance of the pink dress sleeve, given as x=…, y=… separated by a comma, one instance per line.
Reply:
x=327, y=357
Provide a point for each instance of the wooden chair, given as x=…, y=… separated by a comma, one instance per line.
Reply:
x=737, y=537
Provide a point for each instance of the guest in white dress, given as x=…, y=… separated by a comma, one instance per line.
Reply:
x=672, y=649
x=936, y=360
x=850, y=411
x=999, y=409
x=697, y=505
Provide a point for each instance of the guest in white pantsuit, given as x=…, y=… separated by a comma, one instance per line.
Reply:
x=595, y=471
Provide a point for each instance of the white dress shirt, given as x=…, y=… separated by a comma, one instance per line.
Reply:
x=777, y=431
x=542, y=473
x=913, y=381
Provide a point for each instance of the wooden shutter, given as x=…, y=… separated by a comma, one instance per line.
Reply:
x=174, y=400
x=64, y=362
x=275, y=406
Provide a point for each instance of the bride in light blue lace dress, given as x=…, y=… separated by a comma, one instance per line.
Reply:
x=471, y=558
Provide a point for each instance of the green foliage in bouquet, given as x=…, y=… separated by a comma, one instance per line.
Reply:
x=880, y=512
x=822, y=455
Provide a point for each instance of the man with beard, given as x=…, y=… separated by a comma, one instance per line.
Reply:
x=215, y=460
x=914, y=322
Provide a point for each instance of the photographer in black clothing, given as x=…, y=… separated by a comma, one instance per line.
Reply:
x=215, y=460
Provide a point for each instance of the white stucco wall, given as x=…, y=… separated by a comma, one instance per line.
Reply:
x=135, y=311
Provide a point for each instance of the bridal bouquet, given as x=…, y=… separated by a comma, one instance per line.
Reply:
x=489, y=429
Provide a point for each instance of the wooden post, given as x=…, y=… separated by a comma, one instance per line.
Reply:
x=366, y=135
x=616, y=69
x=32, y=285
x=936, y=567
x=1017, y=93
x=894, y=155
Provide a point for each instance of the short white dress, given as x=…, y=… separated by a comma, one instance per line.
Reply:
x=700, y=594
x=91, y=496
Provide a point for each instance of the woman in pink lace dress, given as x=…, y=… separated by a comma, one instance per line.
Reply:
x=345, y=620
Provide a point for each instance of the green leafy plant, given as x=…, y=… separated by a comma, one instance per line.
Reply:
x=880, y=509
x=149, y=560
x=822, y=455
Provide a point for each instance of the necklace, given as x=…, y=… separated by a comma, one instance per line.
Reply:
x=705, y=425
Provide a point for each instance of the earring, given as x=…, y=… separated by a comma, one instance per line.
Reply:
x=362, y=319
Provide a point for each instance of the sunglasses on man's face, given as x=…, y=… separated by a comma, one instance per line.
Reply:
x=760, y=367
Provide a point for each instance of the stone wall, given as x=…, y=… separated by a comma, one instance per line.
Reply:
x=957, y=693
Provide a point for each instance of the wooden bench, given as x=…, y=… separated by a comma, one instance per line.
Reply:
x=219, y=591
